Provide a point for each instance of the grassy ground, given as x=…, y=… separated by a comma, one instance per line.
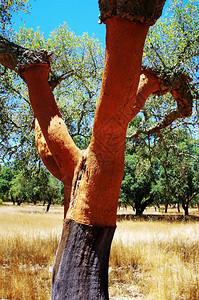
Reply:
x=150, y=260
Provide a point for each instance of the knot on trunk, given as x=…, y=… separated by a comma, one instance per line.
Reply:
x=142, y=11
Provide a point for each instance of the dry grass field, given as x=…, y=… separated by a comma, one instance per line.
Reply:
x=150, y=260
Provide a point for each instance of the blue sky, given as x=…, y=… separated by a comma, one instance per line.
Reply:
x=81, y=16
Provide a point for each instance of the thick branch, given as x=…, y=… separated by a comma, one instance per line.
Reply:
x=51, y=164
x=60, y=144
x=33, y=67
x=45, y=153
x=178, y=85
x=148, y=84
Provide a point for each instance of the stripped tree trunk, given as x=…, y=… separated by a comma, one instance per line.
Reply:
x=92, y=178
x=98, y=175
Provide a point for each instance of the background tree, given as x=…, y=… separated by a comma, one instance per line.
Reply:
x=164, y=171
x=136, y=189
x=7, y=10
x=6, y=176
x=28, y=184
x=182, y=164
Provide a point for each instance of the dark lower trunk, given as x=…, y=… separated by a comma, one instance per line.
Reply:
x=49, y=204
x=185, y=206
x=186, y=211
x=178, y=206
x=81, y=264
x=139, y=209
x=166, y=208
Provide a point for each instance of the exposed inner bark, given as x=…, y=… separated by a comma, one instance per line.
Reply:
x=44, y=152
x=97, y=196
x=63, y=149
x=81, y=266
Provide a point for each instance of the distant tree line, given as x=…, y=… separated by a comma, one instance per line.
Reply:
x=161, y=171
x=30, y=185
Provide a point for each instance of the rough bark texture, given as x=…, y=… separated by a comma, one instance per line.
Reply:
x=17, y=58
x=147, y=11
x=82, y=271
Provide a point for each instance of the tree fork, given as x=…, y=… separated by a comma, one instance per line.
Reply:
x=97, y=198
x=151, y=82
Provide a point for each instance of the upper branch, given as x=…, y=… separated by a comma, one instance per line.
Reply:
x=177, y=85
x=33, y=67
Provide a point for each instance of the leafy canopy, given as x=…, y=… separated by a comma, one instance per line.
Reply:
x=7, y=9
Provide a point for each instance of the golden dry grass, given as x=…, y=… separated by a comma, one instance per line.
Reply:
x=155, y=261
x=149, y=260
x=27, y=249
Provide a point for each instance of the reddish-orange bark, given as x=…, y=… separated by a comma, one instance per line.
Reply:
x=94, y=200
x=51, y=164
x=54, y=144
x=148, y=84
x=45, y=153
x=97, y=196
x=64, y=151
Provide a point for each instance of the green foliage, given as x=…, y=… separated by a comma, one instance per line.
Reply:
x=171, y=49
x=137, y=182
x=6, y=176
x=1, y=202
x=7, y=9
x=182, y=165
x=163, y=167
x=172, y=43
x=33, y=185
